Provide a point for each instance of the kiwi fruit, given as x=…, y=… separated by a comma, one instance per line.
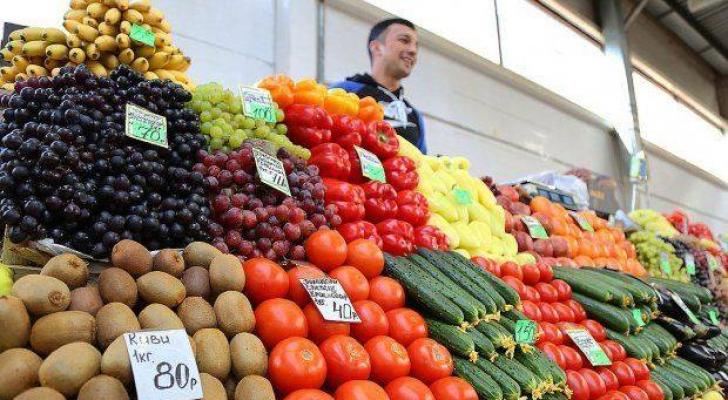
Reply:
x=42, y=294
x=212, y=352
x=226, y=273
x=113, y=320
x=40, y=393
x=69, y=367
x=115, y=361
x=197, y=282
x=86, y=299
x=117, y=286
x=169, y=261
x=54, y=330
x=196, y=313
x=18, y=372
x=212, y=388
x=200, y=254
x=15, y=323
x=103, y=387
x=254, y=387
x=159, y=317
x=161, y=287
x=69, y=268
x=248, y=355
x=132, y=257
x=234, y=313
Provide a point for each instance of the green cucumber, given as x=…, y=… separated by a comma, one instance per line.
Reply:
x=641, y=292
x=609, y=315
x=587, y=287
x=622, y=297
x=688, y=387
x=534, y=364
x=508, y=293
x=498, y=335
x=633, y=347
x=509, y=387
x=691, y=368
x=527, y=380
x=675, y=390
x=452, y=337
x=483, y=345
x=703, y=294
x=484, y=385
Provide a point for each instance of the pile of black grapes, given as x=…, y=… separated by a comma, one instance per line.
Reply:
x=68, y=171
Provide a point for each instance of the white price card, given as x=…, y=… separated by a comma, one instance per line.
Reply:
x=331, y=300
x=371, y=166
x=271, y=171
x=163, y=364
x=146, y=126
x=588, y=346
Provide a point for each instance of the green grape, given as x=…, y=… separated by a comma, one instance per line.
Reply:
x=216, y=132
x=205, y=116
x=216, y=143
x=279, y=115
x=224, y=106
x=259, y=123
x=216, y=97
x=249, y=123
x=227, y=116
x=205, y=127
x=282, y=129
x=262, y=131
x=206, y=106
x=236, y=141
x=216, y=113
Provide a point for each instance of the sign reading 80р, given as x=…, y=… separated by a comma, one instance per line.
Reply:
x=146, y=126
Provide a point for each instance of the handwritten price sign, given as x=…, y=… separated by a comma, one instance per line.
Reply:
x=329, y=297
x=257, y=104
x=146, y=126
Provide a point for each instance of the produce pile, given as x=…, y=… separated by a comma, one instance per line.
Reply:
x=658, y=256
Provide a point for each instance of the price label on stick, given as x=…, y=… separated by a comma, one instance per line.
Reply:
x=331, y=300
x=680, y=303
x=462, y=196
x=142, y=35
x=371, y=167
x=581, y=221
x=525, y=331
x=712, y=262
x=588, y=346
x=271, y=171
x=535, y=229
x=637, y=315
x=665, y=264
x=713, y=314
x=163, y=364
x=146, y=126
x=690, y=263
x=257, y=104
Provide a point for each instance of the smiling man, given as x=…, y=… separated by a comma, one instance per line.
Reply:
x=392, y=50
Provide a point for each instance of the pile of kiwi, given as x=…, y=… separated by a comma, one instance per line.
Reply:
x=62, y=335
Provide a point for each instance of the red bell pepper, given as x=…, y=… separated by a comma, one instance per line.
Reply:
x=412, y=207
x=347, y=131
x=348, y=199
x=381, y=201
x=381, y=139
x=331, y=159
x=355, y=175
x=431, y=237
x=308, y=125
x=359, y=230
x=397, y=236
x=401, y=173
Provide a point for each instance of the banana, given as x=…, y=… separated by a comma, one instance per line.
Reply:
x=79, y=4
x=73, y=41
x=144, y=51
x=107, y=29
x=164, y=74
x=21, y=77
x=106, y=43
x=123, y=41
x=146, y=26
x=31, y=34
x=96, y=68
x=165, y=26
x=92, y=51
x=15, y=47
x=7, y=55
x=20, y=62
x=112, y=16
x=140, y=64
x=34, y=48
x=50, y=63
x=55, y=71
x=77, y=55
x=158, y=60
x=153, y=16
x=178, y=62
x=122, y=5
x=15, y=35
x=126, y=56
x=162, y=39
x=86, y=33
x=96, y=10
x=53, y=35
x=75, y=15
x=8, y=86
x=170, y=49
x=8, y=73
x=149, y=75
x=141, y=5
x=37, y=60
x=109, y=61
x=125, y=27
x=179, y=76
x=57, y=52
x=90, y=22
x=71, y=25
x=36, y=70
x=133, y=16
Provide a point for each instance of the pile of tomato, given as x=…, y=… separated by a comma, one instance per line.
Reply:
x=548, y=302
x=386, y=356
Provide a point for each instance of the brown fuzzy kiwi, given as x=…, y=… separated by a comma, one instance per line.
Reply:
x=118, y=286
x=42, y=294
x=234, y=313
x=113, y=320
x=15, y=329
x=54, y=330
x=161, y=287
x=159, y=317
x=18, y=372
x=212, y=388
x=248, y=355
x=132, y=257
x=103, y=387
x=86, y=299
x=226, y=273
x=254, y=387
x=169, y=261
x=115, y=361
x=69, y=268
x=212, y=352
x=200, y=254
x=40, y=393
x=197, y=282
x=196, y=313
x=69, y=367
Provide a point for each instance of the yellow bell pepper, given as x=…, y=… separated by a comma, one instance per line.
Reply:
x=483, y=231
x=339, y=102
x=439, y=204
x=467, y=237
x=308, y=91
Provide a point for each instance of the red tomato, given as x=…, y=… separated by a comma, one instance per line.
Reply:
x=408, y=388
x=296, y=291
x=530, y=293
x=608, y=351
x=562, y=288
x=639, y=368
x=618, y=352
x=308, y=394
x=624, y=373
x=365, y=255
x=430, y=360
x=547, y=292
x=564, y=312
x=548, y=313
x=610, y=380
x=553, y=352
x=552, y=332
x=531, y=274
x=531, y=310
x=653, y=390
x=515, y=283
x=453, y=388
x=597, y=388
x=579, y=313
x=547, y=274
x=571, y=358
x=346, y=360
x=318, y=328
x=578, y=386
x=540, y=334
x=406, y=325
x=595, y=329
x=488, y=265
x=264, y=280
x=360, y=390
x=614, y=395
x=509, y=268
x=296, y=363
x=355, y=284
x=278, y=319
x=634, y=392
x=326, y=249
x=373, y=321
x=389, y=359
x=386, y=292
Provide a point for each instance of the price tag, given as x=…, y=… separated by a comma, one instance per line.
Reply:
x=589, y=347
x=581, y=221
x=331, y=300
x=271, y=171
x=143, y=35
x=535, y=228
x=371, y=167
x=690, y=263
x=462, y=196
x=712, y=262
x=665, y=264
x=257, y=104
x=713, y=317
x=637, y=315
x=525, y=331
x=680, y=303
x=163, y=364
x=146, y=126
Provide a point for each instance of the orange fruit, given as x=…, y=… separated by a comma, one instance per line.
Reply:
x=540, y=204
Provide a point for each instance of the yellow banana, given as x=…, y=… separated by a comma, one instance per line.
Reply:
x=125, y=27
x=146, y=26
x=73, y=40
x=112, y=16
x=36, y=70
x=90, y=21
x=153, y=16
x=170, y=49
x=140, y=64
x=31, y=34
x=53, y=35
x=77, y=55
x=122, y=5
x=92, y=51
x=162, y=39
x=50, y=63
x=37, y=60
x=105, y=43
x=164, y=74
x=15, y=47
x=109, y=3
x=74, y=15
x=178, y=62
x=107, y=29
x=133, y=16
x=165, y=26
x=179, y=76
x=109, y=61
x=149, y=75
x=8, y=86
x=34, y=48
x=158, y=60
x=96, y=68
x=57, y=52
x=96, y=10
x=123, y=41
x=21, y=77
x=71, y=25
x=141, y=5
x=86, y=33
x=79, y=4
x=7, y=55
x=126, y=56
x=144, y=51
x=8, y=73
x=15, y=35
x=55, y=71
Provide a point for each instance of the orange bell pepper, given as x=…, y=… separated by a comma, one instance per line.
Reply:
x=370, y=110
x=280, y=88
x=308, y=91
x=340, y=102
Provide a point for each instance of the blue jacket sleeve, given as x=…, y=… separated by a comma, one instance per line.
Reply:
x=349, y=86
x=421, y=143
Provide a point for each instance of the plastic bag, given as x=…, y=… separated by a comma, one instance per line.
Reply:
x=567, y=183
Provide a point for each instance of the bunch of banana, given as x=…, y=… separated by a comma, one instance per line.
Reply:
x=32, y=52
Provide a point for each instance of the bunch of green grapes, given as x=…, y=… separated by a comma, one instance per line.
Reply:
x=222, y=119
x=650, y=249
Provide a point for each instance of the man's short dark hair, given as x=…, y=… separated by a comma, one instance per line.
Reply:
x=381, y=27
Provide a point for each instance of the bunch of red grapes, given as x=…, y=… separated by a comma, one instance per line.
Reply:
x=251, y=219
